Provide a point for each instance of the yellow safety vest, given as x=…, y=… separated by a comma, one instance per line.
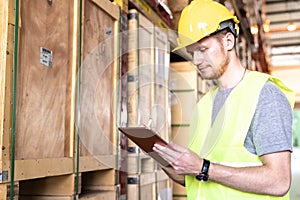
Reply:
x=223, y=142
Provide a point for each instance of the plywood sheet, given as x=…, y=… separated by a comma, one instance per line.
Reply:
x=43, y=92
x=97, y=76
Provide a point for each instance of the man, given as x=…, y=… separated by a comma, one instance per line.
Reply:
x=241, y=131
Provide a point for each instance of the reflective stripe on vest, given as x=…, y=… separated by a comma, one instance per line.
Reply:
x=223, y=142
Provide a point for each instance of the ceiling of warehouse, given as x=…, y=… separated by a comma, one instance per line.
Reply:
x=284, y=45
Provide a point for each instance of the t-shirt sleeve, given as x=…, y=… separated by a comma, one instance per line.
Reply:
x=271, y=126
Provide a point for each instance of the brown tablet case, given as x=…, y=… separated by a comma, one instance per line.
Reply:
x=145, y=138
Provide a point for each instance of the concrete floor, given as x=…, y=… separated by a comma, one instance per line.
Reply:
x=295, y=192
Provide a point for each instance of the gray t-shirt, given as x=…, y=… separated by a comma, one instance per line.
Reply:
x=271, y=127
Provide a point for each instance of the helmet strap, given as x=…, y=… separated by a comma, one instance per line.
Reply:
x=229, y=24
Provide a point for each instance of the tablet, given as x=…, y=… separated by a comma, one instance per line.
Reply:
x=145, y=138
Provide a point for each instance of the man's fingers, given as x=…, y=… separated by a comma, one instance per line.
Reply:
x=167, y=153
x=177, y=147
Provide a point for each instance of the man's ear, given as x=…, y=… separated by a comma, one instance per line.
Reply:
x=229, y=41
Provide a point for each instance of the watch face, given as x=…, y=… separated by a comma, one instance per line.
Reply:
x=202, y=177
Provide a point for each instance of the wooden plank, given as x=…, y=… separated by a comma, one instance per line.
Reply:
x=146, y=69
x=6, y=64
x=28, y=169
x=101, y=162
x=54, y=186
x=100, y=195
x=109, y=8
x=3, y=35
x=43, y=93
x=5, y=191
x=6, y=100
x=132, y=74
x=98, y=81
x=148, y=192
x=48, y=197
x=98, y=180
x=162, y=62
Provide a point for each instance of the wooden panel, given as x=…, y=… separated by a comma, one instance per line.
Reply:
x=183, y=104
x=44, y=93
x=6, y=67
x=141, y=69
x=98, y=180
x=49, y=197
x=37, y=168
x=98, y=76
x=161, y=107
x=146, y=69
x=56, y=185
x=100, y=195
x=183, y=76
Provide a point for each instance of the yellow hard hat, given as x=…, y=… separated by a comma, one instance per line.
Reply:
x=200, y=19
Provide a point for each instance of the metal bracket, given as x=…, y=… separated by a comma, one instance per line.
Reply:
x=133, y=180
x=3, y=175
x=133, y=149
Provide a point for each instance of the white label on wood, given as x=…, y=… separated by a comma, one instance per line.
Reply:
x=46, y=57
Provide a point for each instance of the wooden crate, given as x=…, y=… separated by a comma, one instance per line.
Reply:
x=44, y=90
x=46, y=94
x=184, y=86
x=87, y=185
x=98, y=88
x=46, y=87
x=140, y=69
x=140, y=85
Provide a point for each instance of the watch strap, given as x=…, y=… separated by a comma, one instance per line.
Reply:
x=203, y=175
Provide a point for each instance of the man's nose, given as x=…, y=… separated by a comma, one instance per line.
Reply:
x=198, y=57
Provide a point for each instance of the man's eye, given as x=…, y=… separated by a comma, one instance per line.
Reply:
x=202, y=49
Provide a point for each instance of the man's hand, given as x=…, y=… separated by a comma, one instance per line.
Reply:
x=183, y=160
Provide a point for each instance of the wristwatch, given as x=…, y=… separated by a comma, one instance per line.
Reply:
x=203, y=175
